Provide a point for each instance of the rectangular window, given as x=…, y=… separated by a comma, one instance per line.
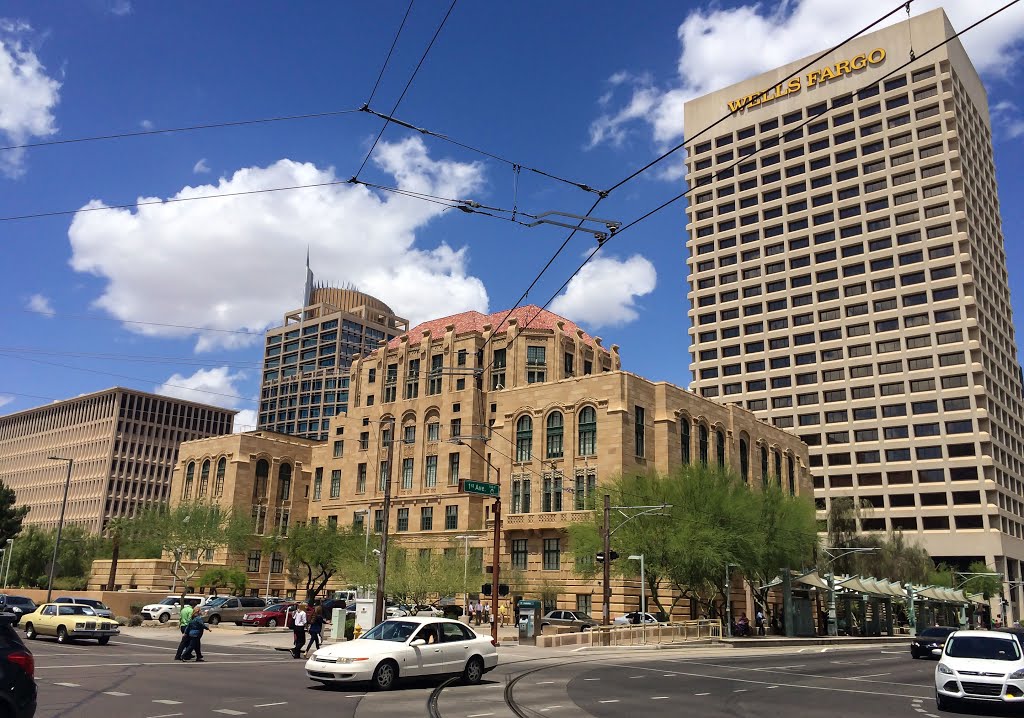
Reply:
x=361, y=479
x=336, y=483
x=451, y=517
x=434, y=381
x=378, y=521
x=520, y=554
x=403, y=519
x=638, y=417
x=536, y=364
x=552, y=554
x=384, y=475
x=407, y=473
x=426, y=518
x=430, y=478
x=318, y=482
x=253, y=563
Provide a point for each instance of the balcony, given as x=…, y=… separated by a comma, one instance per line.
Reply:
x=545, y=520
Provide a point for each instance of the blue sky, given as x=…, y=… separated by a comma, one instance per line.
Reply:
x=587, y=91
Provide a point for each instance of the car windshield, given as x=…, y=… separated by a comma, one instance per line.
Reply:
x=75, y=610
x=583, y=617
x=279, y=607
x=397, y=631
x=216, y=602
x=936, y=632
x=91, y=602
x=993, y=649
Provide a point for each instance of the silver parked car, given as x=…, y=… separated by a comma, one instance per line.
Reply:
x=98, y=607
x=577, y=620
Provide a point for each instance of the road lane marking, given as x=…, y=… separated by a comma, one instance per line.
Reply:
x=591, y=679
x=544, y=683
x=702, y=694
x=69, y=685
x=167, y=701
x=166, y=715
x=870, y=675
x=155, y=663
x=762, y=683
x=229, y=711
x=803, y=675
x=267, y=705
x=638, y=676
x=478, y=715
x=549, y=708
x=613, y=700
x=658, y=698
x=116, y=694
x=356, y=695
x=771, y=686
x=740, y=690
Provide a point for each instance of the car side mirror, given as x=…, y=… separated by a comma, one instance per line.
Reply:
x=936, y=651
x=418, y=642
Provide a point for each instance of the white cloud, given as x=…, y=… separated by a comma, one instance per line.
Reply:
x=207, y=386
x=147, y=124
x=27, y=95
x=721, y=46
x=5, y=399
x=245, y=420
x=237, y=262
x=120, y=8
x=1007, y=116
x=40, y=304
x=605, y=291
x=201, y=167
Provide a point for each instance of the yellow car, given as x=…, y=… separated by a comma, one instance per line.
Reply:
x=68, y=622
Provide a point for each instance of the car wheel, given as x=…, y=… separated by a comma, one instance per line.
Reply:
x=914, y=654
x=943, y=703
x=164, y=617
x=474, y=672
x=62, y=634
x=385, y=675
x=104, y=640
x=30, y=632
x=584, y=629
x=214, y=620
x=272, y=623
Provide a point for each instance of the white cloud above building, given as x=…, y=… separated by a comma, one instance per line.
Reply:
x=606, y=290
x=28, y=95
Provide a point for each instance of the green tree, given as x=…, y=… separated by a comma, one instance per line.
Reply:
x=187, y=531
x=33, y=551
x=225, y=576
x=316, y=553
x=11, y=517
x=987, y=585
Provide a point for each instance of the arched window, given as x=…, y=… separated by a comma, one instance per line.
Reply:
x=702, y=444
x=284, y=482
x=778, y=466
x=744, y=460
x=684, y=437
x=190, y=474
x=792, y=475
x=204, y=479
x=524, y=438
x=720, y=447
x=588, y=431
x=764, y=465
x=218, y=482
x=555, y=433
x=259, y=486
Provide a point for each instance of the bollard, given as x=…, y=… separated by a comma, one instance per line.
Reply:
x=337, y=624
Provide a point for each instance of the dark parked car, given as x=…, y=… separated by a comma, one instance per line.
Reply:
x=17, y=673
x=928, y=640
x=17, y=605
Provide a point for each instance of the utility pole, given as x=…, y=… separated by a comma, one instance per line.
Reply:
x=495, y=565
x=606, y=611
x=382, y=565
x=60, y=525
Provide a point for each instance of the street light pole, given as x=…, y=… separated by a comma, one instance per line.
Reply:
x=465, y=572
x=60, y=525
x=382, y=563
x=10, y=555
x=606, y=588
x=643, y=597
x=728, y=600
x=833, y=629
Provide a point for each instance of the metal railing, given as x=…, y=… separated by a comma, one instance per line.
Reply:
x=654, y=634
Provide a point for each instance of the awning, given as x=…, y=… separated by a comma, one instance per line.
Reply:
x=941, y=593
x=812, y=579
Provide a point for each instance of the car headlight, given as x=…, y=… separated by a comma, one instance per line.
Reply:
x=1018, y=674
x=943, y=668
x=15, y=609
x=351, y=660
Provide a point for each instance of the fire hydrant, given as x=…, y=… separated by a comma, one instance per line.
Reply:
x=357, y=631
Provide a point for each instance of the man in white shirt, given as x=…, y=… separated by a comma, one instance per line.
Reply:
x=299, y=621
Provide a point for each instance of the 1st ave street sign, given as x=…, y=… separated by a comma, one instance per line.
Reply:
x=479, y=487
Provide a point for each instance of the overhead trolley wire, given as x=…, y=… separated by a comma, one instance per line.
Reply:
x=387, y=59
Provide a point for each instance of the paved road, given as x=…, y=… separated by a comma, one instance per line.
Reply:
x=136, y=678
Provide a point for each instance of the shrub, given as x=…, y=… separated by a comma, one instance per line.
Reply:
x=135, y=620
x=71, y=583
x=350, y=627
x=121, y=621
x=136, y=609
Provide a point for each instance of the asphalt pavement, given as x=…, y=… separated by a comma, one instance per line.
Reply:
x=135, y=677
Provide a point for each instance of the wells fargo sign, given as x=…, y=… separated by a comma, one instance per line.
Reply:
x=813, y=78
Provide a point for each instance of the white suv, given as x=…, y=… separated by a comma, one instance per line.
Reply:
x=983, y=666
x=169, y=608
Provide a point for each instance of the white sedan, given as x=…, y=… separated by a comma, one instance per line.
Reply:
x=631, y=618
x=980, y=666
x=401, y=647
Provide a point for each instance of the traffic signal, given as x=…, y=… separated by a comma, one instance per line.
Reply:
x=486, y=589
x=502, y=589
x=612, y=555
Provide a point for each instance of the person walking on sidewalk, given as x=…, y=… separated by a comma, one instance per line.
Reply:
x=183, y=620
x=299, y=621
x=195, y=629
x=316, y=627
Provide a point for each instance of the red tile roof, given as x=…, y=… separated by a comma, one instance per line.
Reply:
x=467, y=322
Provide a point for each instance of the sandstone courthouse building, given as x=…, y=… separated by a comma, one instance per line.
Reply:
x=560, y=418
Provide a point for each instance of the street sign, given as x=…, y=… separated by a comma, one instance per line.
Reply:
x=479, y=487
